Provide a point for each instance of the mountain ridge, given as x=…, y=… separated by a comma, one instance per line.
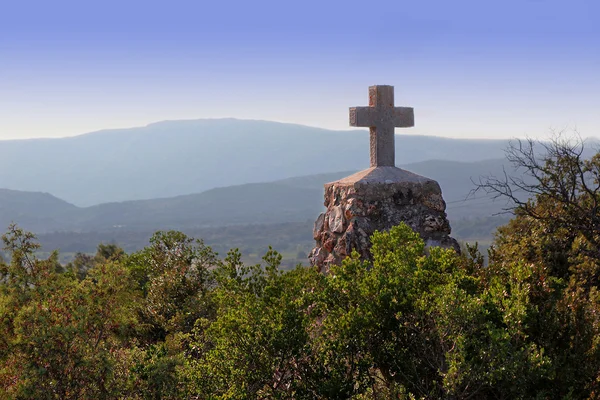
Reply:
x=294, y=199
x=171, y=158
x=233, y=119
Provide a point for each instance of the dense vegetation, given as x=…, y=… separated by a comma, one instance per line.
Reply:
x=175, y=321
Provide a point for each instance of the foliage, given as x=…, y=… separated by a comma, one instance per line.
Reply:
x=559, y=187
x=256, y=346
x=173, y=274
x=62, y=337
x=175, y=321
x=82, y=262
x=417, y=325
x=410, y=325
x=555, y=233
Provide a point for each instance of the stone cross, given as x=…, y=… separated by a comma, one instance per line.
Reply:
x=381, y=117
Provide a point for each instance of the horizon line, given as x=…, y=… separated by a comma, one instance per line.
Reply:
x=142, y=126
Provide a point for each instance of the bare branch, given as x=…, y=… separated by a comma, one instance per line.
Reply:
x=552, y=181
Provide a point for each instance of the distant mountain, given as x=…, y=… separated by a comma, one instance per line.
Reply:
x=39, y=212
x=289, y=200
x=175, y=158
x=250, y=216
x=264, y=203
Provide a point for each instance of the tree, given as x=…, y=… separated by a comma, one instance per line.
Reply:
x=556, y=233
x=62, y=338
x=258, y=346
x=412, y=325
x=558, y=187
x=174, y=276
x=175, y=280
x=407, y=325
x=82, y=262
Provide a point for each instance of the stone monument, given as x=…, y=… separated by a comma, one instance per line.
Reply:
x=380, y=197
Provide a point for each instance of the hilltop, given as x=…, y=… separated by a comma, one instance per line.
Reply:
x=296, y=199
x=174, y=158
x=250, y=216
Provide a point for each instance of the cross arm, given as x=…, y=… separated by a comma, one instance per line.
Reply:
x=404, y=117
x=363, y=116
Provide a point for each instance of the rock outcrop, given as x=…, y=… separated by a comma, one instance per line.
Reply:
x=377, y=199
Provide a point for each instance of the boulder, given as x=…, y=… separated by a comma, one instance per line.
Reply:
x=377, y=199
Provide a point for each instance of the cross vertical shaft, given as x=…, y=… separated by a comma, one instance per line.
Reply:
x=382, y=117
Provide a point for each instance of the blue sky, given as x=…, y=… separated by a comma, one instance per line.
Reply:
x=488, y=69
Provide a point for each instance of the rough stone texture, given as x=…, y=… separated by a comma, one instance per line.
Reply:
x=381, y=117
x=380, y=197
x=377, y=199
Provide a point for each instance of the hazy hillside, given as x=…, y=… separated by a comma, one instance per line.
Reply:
x=455, y=178
x=290, y=200
x=245, y=204
x=181, y=157
x=39, y=212
x=250, y=216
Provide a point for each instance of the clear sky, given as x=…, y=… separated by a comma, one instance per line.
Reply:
x=481, y=68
